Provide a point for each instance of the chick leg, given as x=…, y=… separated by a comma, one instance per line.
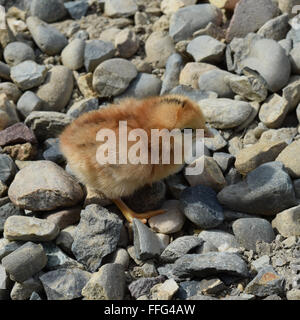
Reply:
x=130, y=214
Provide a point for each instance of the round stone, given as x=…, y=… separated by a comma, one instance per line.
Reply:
x=17, y=52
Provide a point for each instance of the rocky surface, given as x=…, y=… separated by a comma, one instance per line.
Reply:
x=231, y=232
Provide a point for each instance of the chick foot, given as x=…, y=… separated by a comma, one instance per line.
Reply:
x=130, y=214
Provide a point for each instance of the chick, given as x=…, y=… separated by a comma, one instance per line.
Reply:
x=79, y=145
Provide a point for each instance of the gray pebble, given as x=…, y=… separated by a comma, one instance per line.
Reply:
x=72, y=55
x=77, y=9
x=8, y=168
x=142, y=286
x=224, y=160
x=17, y=52
x=29, y=102
x=7, y=210
x=83, y=106
x=48, y=10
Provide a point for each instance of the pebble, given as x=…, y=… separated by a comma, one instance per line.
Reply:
x=143, y=86
x=23, y=291
x=169, y=7
x=72, y=55
x=284, y=134
x=46, y=37
x=127, y=43
x=200, y=205
x=7, y=247
x=287, y=222
x=57, y=88
x=224, y=160
x=8, y=168
x=193, y=94
x=109, y=35
x=206, y=49
x=83, y=106
x=120, y=256
x=11, y=90
x=219, y=239
x=106, y=284
x=209, y=264
x=97, y=51
x=273, y=112
x=164, y=291
x=146, y=243
x=97, y=226
x=225, y=113
x=289, y=156
x=158, y=47
x=47, y=187
x=17, y=52
x=28, y=103
x=85, y=85
x=180, y=247
x=250, y=230
x=170, y=222
x=48, y=10
x=17, y=133
x=120, y=8
x=64, y=284
x=261, y=152
x=3, y=189
x=112, y=77
x=185, y=21
x=47, y=124
x=28, y=74
x=267, y=190
x=291, y=92
x=77, y=9
x=295, y=59
x=53, y=153
x=8, y=112
x=65, y=239
x=142, y=286
x=276, y=28
x=214, y=80
x=6, y=211
x=255, y=14
x=260, y=263
x=217, y=142
x=5, y=284
x=25, y=261
x=266, y=283
x=293, y=294
x=64, y=218
x=4, y=71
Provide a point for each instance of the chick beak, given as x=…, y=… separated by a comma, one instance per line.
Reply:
x=208, y=133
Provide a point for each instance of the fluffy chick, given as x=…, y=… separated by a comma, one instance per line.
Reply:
x=79, y=146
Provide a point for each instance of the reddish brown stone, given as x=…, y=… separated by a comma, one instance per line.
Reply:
x=17, y=133
x=65, y=218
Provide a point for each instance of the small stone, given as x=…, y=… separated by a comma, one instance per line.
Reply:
x=284, y=134
x=48, y=10
x=7, y=247
x=272, y=113
x=225, y=113
x=146, y=243
x=159, y=46
x=267, y=282
x=200, y=205
x=219, y=239
x=47, y=124
x=171, y=6
x=142, y=286
x=23, y=291
x=266, y=190
x=106, y=284
x=17, y=133
x=64, y=284
x=72, y=55
x=95, y=52
x=289, y=156
x=113, y=76
x=215, y=143
x=120, y=8
x=8, y=168
x=164, y=291
x=57, y=88
x=25, y=261
x=83, y=106
x=287, y=222
x=7, y=210
x=64, y=218
x=170, y=222
x=276, y=28
x=193, y=94
x=109, y=35
x=17, y=52
x=3, y=189
x=260, y=263
x=28, y=103
x=96, y=236
x=4, y=71
x=206, y=49
x=295, y=59
x=261, y=152
x=65, y=239
x=291, y=92
x=180, y=247
x=127, y=43
x=8, y=112
x=46, y=37
x=250, y=230
x=293, y=294
x=11, y=90
x=120, y=256
x=85, y=85
x=77, y=9
x=224, y=160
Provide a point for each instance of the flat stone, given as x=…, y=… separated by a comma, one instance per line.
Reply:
x=64, y=284
x=47, y=187
x=57, y=88
x=225, y=113
x=206, y=49
x=48, y=10
x=209, y=264
x=200, y=205
x=46, y=37
x=180, y=247
x=185, y=21
x=287, y=222
x=120, y=8
x=261, y=152
x=25, y=261
x=95, y=52
x=113, y=76
x=289, y=156
x=96, y=236
x=7, y=210
x=28, y=103
x=146, y=243
x=47, y=124
x=72, y=55
x=267, y=190
x=255, y=13
x=106, y=284
x=250, y=230
x=267, y=282
x=17, y=52
x=170, y=222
